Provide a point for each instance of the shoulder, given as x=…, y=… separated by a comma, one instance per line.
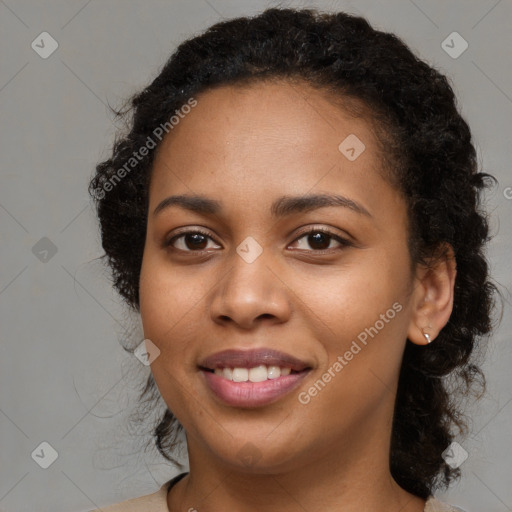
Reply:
x=156, y=502
x=434, y=505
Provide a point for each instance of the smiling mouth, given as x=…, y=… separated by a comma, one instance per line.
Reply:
x=252, y=378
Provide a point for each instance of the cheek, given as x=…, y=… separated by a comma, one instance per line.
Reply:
x=359, y=321
x=350, y=299
x=168, y=297
x=165, y=308
x=359, y=316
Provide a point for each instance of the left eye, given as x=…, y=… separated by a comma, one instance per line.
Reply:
x=320, y=239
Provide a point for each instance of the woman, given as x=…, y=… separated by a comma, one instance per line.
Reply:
x=294, y=214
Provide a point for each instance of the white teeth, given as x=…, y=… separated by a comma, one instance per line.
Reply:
x=240, y=374
x=258, y=374
x=274, y=372
x=255, y=374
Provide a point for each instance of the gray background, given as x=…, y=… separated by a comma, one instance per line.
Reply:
x=64, y=378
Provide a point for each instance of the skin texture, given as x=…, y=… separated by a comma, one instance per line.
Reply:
x=246, y=147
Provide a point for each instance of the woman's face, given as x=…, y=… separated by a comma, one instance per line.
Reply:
x=255, y=280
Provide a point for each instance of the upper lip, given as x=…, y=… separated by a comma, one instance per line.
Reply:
x=233, y=358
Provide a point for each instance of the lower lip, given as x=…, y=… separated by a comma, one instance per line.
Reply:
x=252, y=394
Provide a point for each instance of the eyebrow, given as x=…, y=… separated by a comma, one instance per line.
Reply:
x=282, y=207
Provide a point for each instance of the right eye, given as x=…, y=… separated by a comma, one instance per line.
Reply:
x=190, y=241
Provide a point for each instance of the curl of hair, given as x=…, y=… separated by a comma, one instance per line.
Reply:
x=427, y=150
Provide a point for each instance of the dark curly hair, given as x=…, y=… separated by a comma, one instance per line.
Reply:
x=429, y=157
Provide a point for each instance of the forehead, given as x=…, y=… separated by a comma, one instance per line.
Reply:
x=276, y=130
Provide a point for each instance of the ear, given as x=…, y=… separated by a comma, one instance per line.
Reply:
x=432, y=297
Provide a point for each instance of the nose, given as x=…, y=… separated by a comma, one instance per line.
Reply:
x=249, y=294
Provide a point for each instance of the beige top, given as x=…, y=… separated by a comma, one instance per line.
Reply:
x=157, y=502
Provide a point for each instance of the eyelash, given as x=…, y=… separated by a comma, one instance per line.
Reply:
x=342, y=241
